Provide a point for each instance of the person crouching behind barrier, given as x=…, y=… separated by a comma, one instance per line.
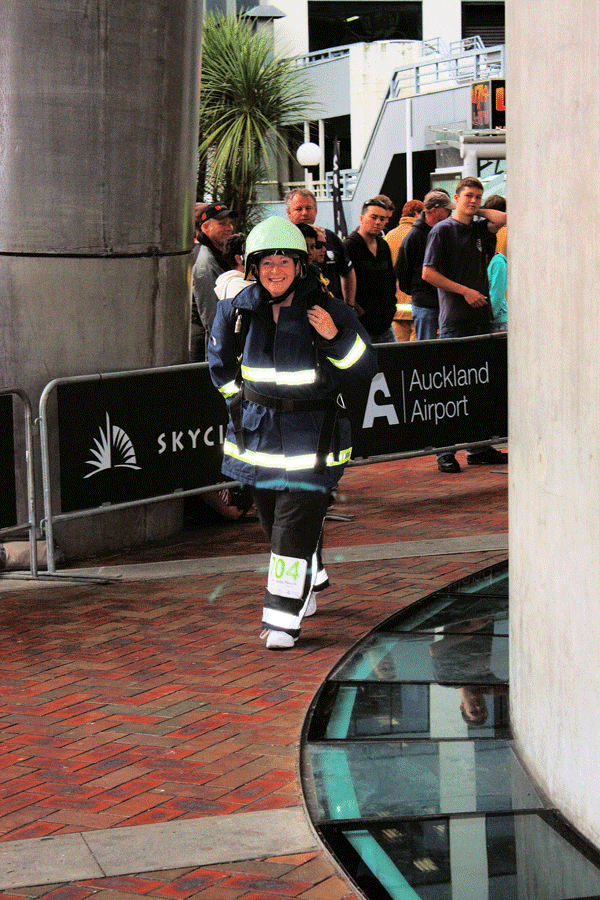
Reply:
x=279, y=353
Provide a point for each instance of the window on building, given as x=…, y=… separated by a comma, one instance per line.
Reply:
x=332, y=24
x=484, y=19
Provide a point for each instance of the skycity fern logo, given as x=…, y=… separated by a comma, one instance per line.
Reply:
x=114, y=450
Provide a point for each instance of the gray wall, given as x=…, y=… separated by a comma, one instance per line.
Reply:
x=554, y=385
x=98, y=134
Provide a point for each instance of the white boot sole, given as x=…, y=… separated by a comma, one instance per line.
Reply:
x=279, y=640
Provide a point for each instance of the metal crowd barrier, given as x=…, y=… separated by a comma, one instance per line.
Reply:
x=412, y=410
x=29, y=526
x=50, y=516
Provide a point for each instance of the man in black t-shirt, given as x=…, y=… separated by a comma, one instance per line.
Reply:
x=375, y=278
x=455, y=263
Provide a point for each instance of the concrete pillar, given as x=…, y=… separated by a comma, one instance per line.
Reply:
x=554, y=389
x=98, y=135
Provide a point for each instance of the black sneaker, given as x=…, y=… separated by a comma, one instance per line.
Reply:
x=488, y=457
x=448, y=463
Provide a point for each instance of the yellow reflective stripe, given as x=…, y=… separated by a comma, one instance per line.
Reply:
x=279, y=461
x=353, y=356
x=306, y=376
x=229, y=389
x=404, y=307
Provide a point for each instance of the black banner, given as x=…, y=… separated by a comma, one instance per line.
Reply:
x=141, y=436
x=8, y=491
x=339, y=218
x=432, y=394
x=127, y=438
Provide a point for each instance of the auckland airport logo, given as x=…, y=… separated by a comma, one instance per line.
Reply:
x=114, y=450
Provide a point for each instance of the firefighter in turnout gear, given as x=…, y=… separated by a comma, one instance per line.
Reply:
x=280, y=352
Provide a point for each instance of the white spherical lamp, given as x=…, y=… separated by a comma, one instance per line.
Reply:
x=308, y=154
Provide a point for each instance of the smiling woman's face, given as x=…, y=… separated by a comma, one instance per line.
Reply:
x=276, y=273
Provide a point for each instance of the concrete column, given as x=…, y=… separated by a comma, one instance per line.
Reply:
x=98, y=135
x=554, y=389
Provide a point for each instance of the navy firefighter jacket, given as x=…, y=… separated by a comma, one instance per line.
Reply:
x=290, y=361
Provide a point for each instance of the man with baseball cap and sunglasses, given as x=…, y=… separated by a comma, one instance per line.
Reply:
x=215, y=227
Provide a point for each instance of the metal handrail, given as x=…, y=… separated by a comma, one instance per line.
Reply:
x=457, y=68
x=439, y=73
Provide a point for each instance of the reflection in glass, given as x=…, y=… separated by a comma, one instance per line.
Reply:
x=526, y=856
x=477, y=657
x=453, y=613
x=373, y=780
x=407, y=771
x=406, y=711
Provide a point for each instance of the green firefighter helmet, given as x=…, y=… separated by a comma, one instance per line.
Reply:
x=274, y=235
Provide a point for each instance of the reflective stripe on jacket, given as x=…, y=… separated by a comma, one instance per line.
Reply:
x=279, y=448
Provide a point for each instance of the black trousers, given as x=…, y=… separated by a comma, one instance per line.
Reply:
x=292, y=522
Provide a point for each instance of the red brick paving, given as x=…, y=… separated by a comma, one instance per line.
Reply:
x=149, y=702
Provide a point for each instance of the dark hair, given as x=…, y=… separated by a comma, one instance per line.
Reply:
x=374, y=201
x=387, y=201
x=307, y=230
x=412, y=208
x=495, y=201
x=234, y=246
x=476, y=721
x=468, y=182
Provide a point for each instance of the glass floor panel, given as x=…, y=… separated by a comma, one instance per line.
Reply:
x=487, y=857
x=478, y=656
x=408, y=771
x=454, y=613
x=392, y=779
x=379, y=710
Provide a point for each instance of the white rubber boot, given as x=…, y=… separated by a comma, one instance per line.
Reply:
x=279, y=640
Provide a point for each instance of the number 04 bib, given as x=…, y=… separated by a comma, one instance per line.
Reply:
x=287, y=576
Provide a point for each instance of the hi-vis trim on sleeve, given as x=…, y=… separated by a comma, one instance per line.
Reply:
x=306, y=376
x=229, y=389
x=353, y=356
x=279, y=461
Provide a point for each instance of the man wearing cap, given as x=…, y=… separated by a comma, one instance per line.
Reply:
x=408, y=267
x=216, y=226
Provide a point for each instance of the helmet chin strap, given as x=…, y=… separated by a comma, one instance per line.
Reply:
x=275, y=300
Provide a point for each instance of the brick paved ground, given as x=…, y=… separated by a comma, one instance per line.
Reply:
x=149, y=702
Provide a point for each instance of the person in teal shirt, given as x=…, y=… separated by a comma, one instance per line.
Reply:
x=497, y=274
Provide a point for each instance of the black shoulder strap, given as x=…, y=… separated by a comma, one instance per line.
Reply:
x=242, y=324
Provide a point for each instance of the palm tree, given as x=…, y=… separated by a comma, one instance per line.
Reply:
x=248, y=96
